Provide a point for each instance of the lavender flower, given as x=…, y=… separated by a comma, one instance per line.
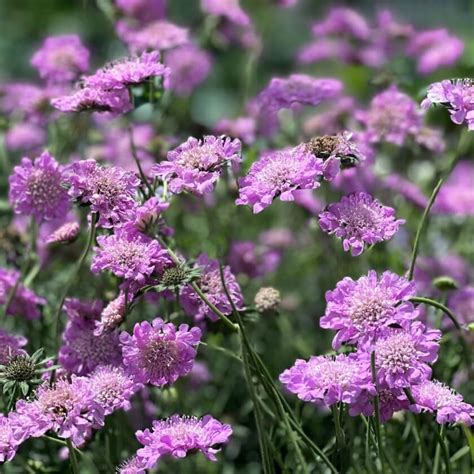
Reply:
x=127, y=72
x=178, y=435
x=211, y=285
x=341, y=379
x=112, y=388
x=402, y=354
x=457, y=96
x=36, y=188
x=66, y=234
x=359, y=309
x=196, y=165
x=229, y=9
x=67, y=408
x=434, y=396
x=10, y=345
x=159, y=353
x=25, y=302
x=359, y=219
x=189, y=66
x=61, y=58
x=279, y=174
x=9, y=442
x=109, y=191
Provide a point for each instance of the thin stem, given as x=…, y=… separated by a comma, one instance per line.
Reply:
x=133, y=148
x=438, y=305
x=340, y=442
x=441, y=435
x=377, y=411
x=72, y=457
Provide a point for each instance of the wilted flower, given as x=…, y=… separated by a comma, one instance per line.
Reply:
x=178, y=435
x=196, y=165
x=359, y=219
x=434, y=396
x=159, y=353
x=66, y=234
x=359, y=309
x=341, y=379
x=210, y=283
x=279, y=174
x=267, y=299
x=36, y=188
x=61, y=58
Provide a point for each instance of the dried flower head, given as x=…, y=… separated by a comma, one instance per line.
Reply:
x=267, y=299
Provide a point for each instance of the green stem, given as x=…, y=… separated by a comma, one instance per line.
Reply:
x=133, y=148
x=377, y=412
x=438, y=305
x=72, y=457
x=441, y=435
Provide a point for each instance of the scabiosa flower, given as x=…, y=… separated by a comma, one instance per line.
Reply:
x=279, y=174
x=457, y=96
x=457, y=194
x=127, y=72
x=393, y=116
x=359, y=219
x=199, y=375
x=66, y=234
x=196, y=165
x=9, y=442
x=149, y=214
x=143, y=10
x=159, y=353
x=82, y=350
x=189, y=66
x=95, y=100
x=36, y=188
x=402, y=354
x=25, y=136
x=178, y=435
x=243, y=128
x=341, y=379
x=341, y=20
x=462, y=303
x=129, y=255
x=112, y=388
x=25, y=302
x=211, y=285
x=252, y=260
x=361, y=308
x=112, y=315
x=134, y=465
x=10, y=345
x=109, y=191
x=83, y=310
x=267, y=299
x=229, y=9
x=61, y=58
x=434, y=396
x=67, y=408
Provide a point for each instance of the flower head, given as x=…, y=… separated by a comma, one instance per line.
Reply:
x=66, y=234
x=178, y=435
x=134, y=465
x=210, y=283
x=196, y=165
x=25, y=136
x=434, y=396
x=361, y=308
x=341, y=379
x=112, y=316
x=457, y=96
x=61, y=58
x=110, y=191
x=462, y=303
x=279, y=174
x=143, y=10
x=159, y=353
x=9, y=442
x=359, y=219
x=252, y=260
x=36, y=188
x=229, y=9
x=10, y=345
x=267, y=299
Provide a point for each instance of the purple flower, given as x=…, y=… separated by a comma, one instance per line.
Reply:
x=82, y=350
x=196, y=165
x=343, y=21
x=61, y=58
x=189, y=66
x=332, y=380
x=95, y=100
x=9, y=441
x=241, y=127
x=393, y=116
x=178, y=435
x=457, y=194
x=109, y=191
x=159, y=353
x=210, y=284
x=82, y=310
x=409, y=190
x=134, y=465
x=10, y=345
x=434, y=396
x=359, y=309
x=67, y=408
x=402, y=354
x=434, y=49
x=199, y=375
x=290, y=93
x=149, y=213
x=279, y=174
x=143, y=10
x=359, y=219
x=158, y=35
x=36, y=188
x=457, y=96
x=112, y=316
x=229, y=9
x=112, y=388
x=322, y=49
x=66, y=234
x=131, y=256
x=127, y=72
x=25, y=136
x=462, y=303
x=25, y=302
x=252, y=260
